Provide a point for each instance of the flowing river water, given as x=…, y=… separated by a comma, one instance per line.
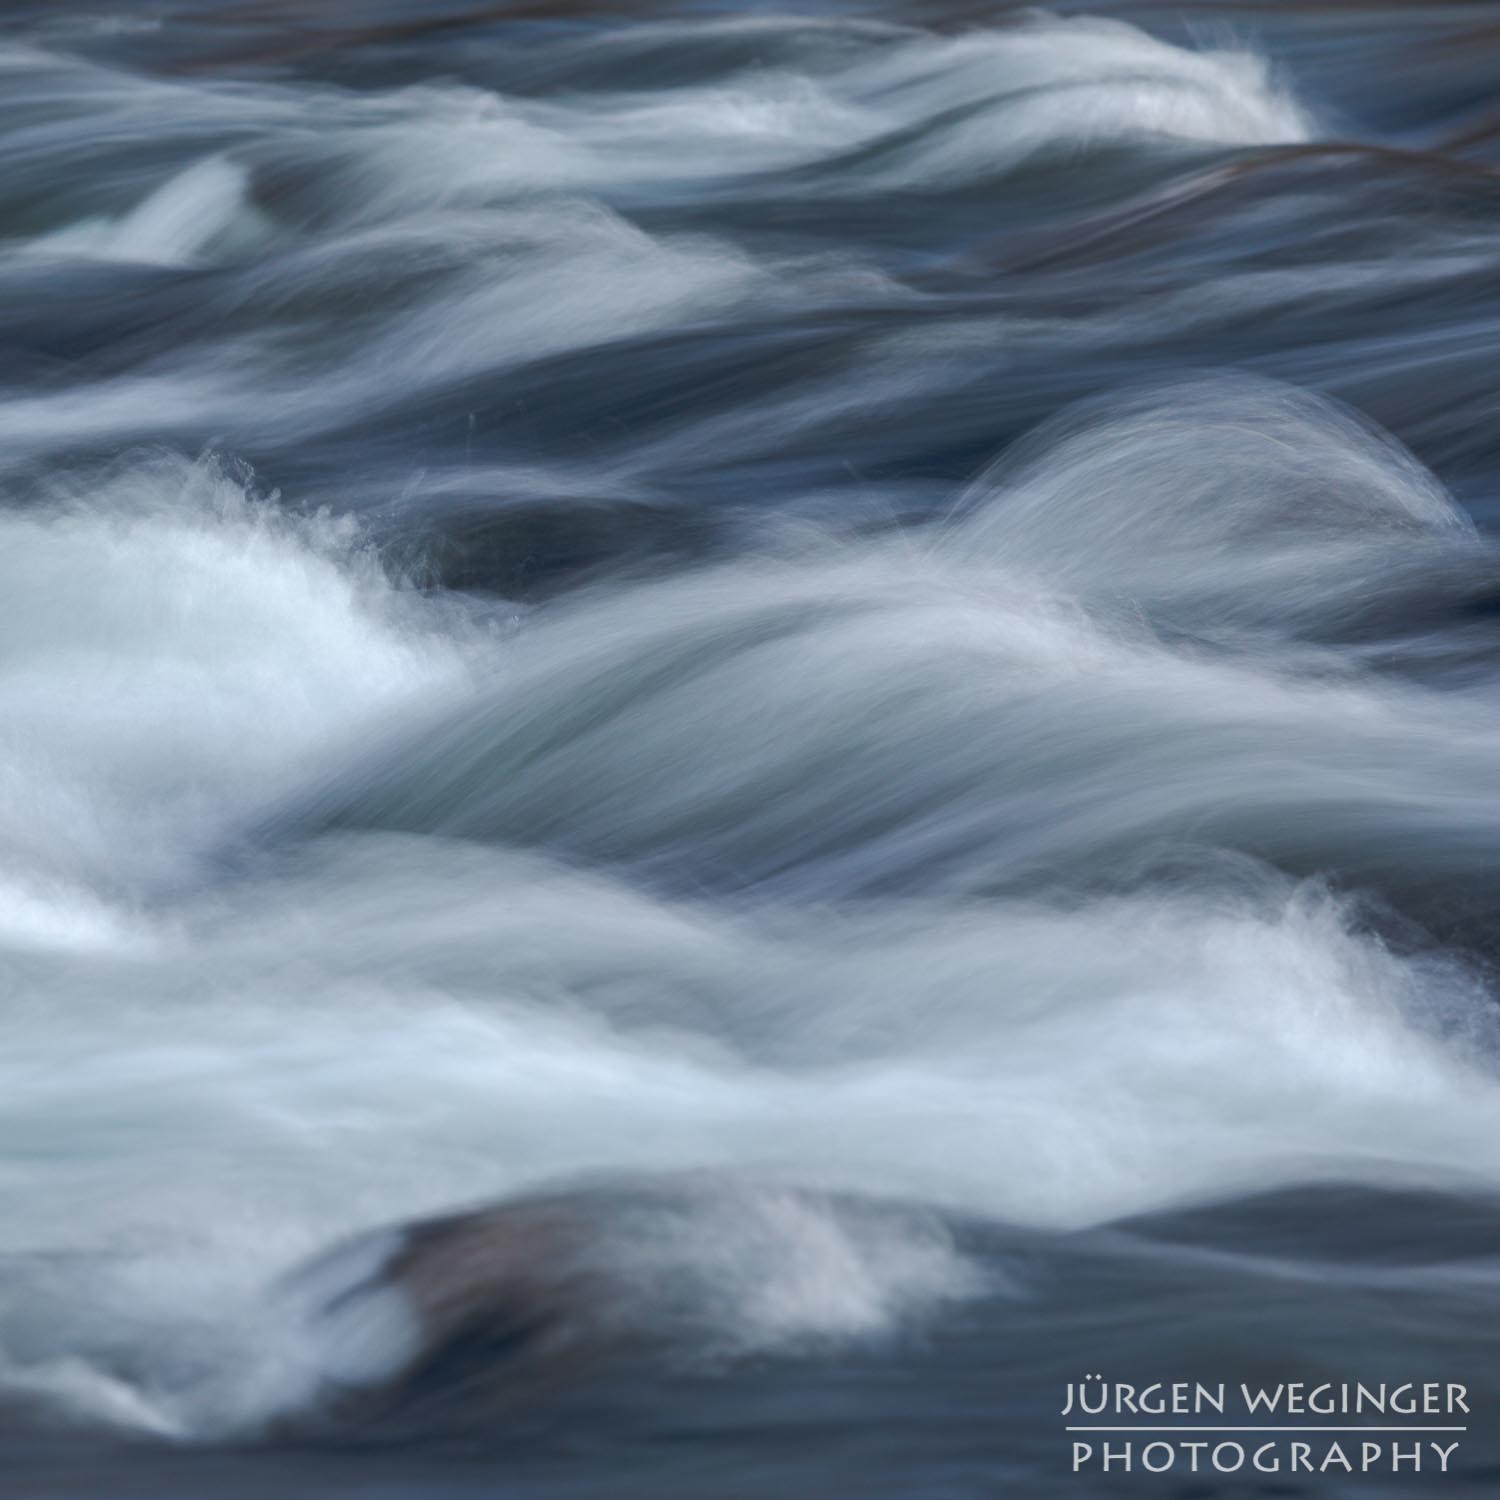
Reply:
x=731, y=737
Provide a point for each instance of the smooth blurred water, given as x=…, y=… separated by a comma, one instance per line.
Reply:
x=835, y=674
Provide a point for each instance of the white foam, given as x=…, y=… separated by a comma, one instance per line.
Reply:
x=178, y=224
x=1059, y=85
x=978, y=104
x=744, y=1267
x=172, y=655
x=1232, y=500
x=569, y=277
x=405, y=1026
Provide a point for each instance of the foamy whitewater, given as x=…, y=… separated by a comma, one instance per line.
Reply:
x=729, y=739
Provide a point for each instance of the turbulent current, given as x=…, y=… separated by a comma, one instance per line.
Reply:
x=731, y=737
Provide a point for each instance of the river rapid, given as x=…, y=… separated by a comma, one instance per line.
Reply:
x=731, y=738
